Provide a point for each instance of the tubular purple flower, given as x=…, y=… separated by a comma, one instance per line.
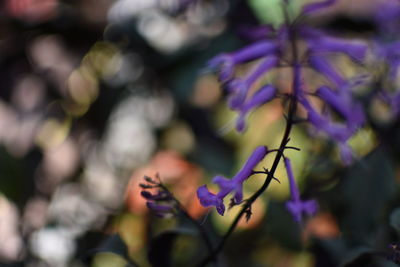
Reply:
x=315, y=7
x=231, y=185
x=238, y=88
x=322, y=66
x=339, y=104
x=336, y=131
x=355, y=50
x=343, y=104
x=296, y=206
x=225, y=63
x=262, y=96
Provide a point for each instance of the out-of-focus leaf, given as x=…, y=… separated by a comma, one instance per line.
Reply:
x=115, y=245
x=362, y=195
x=370, y=259
x=161, y=247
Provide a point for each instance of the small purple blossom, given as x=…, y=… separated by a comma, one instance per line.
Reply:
x=234, y=185
x=295, y=205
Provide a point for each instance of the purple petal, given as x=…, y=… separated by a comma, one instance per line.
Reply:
x=226, y=185
x=315, y=7
x=261, y=69
x=262, y=96
x=258, y=154
x=322, y=66
x=294, y=190
x=338, y=132
x=343, y=104
x=340, y=105
x=298, y=207
x=208, y=199
x=254, y=51
x=238, y=89
x=224, y=65
x=353, y=49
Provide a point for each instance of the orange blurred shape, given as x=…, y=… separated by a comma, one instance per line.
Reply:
x=32, y=10
x=322, y=226
x=181, y=176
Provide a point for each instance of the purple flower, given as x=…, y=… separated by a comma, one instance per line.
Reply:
x=321, y=65
x=234, y=185
x=225, y=63
x=344, y=105
x=355, y=50
x=262, y=96
x=296, y=206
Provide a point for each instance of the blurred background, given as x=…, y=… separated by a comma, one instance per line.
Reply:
x=95, y=94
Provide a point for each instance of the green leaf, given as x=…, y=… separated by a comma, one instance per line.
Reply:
x=115, y=245
x=161, y=247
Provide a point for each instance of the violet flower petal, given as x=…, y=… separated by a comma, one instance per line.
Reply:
x=262, y=96
x=322, y=66
x=225, y=63
x=208, y=199
x=355, y=50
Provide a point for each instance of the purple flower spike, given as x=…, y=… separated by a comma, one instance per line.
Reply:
x=262, y=96
x=315, y=7
x=296, y=206
x=353, y=49
x=325, y=68
x=238, y=91
x=228, y=186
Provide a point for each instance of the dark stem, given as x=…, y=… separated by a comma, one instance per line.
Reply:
x=199, y=227
x=285, y=139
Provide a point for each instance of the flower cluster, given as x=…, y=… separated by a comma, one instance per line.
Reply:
x=272, y=52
